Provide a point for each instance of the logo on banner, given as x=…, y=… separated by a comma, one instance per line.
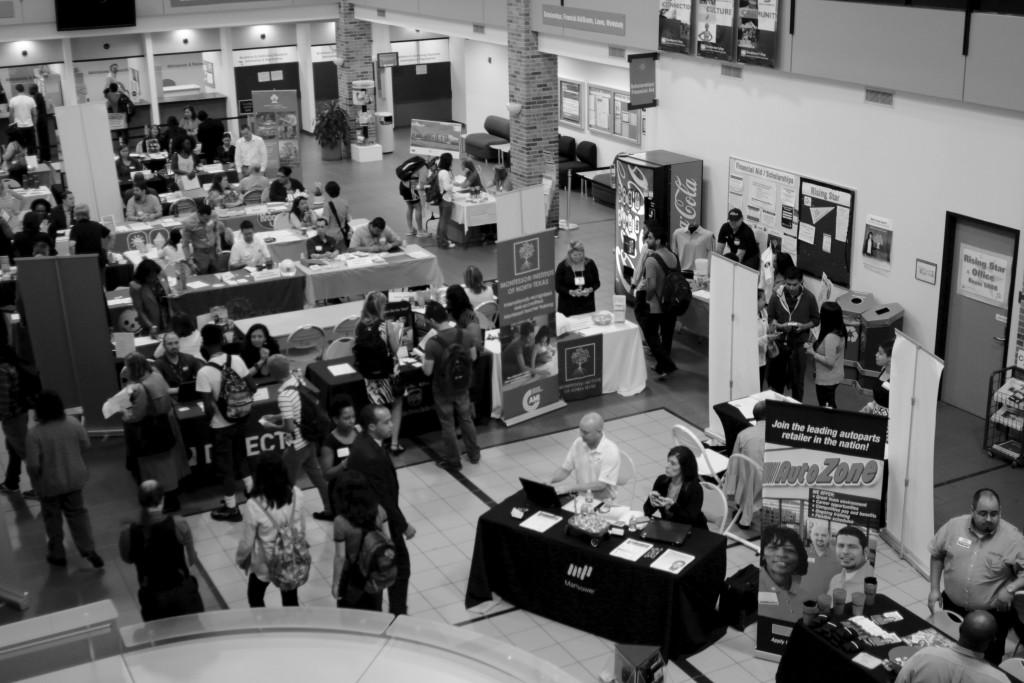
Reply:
x=274, y=98
x=832, y=472
x=582, y=362
x=527, y=256
x=580, y=571
x=532, y=399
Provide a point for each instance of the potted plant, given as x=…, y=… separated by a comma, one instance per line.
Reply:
x=331, y=130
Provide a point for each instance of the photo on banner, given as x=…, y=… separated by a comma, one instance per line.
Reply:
x=715, y=35
x=877, y=249
x=674, y=26
x=823, y=506
x=758, y=28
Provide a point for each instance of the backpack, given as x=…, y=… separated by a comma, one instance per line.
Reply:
x=235, y=399
x=126, y=105
x=433, y=187
x=372, y=355
x=407, y=169
x=455, y=371
x=376, y=561
x=288, y=557
x=737, y=605
x=313, y=420
x=675, y=290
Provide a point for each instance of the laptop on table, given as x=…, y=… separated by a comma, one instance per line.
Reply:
x=543, y=495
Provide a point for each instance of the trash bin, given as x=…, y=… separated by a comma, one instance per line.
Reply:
x=854, y=305
x=880, y=324
x=386, y=131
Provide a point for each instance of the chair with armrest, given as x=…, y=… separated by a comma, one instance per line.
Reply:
x=339, y=348
x=487, y=314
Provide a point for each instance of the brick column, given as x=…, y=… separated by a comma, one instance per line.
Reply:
x=533, y=83
x=354, y=42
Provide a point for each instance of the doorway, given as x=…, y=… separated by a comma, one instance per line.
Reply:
x=978, y=268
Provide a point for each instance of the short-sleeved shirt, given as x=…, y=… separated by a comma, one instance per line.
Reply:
x=851, y=582
x=976, y=567
x=208, y=382
x=740, y=238
x=832, y=346
x=599, y=464
x=340, y=450
x=88, y=237
x=21, y=110
x=361, y=238
x=203, y=235
x=953, y=663
x=318, y=246
x=434, y=350
x=690, y=246
x=254, y=253
x=289, y=403
x=149, y=207
x=820, y=570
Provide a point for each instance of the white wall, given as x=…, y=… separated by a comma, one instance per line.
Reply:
x=486, y=83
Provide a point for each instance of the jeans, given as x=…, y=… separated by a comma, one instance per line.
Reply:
x=659, y=329
x=258, y=589
x=15, y=429
x=229, y=456
x=306, y=459
x=398, y=593
x=445, y=209
x=446, y=409
x=788, y=368
x=70, y=507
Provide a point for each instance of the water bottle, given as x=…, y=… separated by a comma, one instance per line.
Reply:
x=588, y=502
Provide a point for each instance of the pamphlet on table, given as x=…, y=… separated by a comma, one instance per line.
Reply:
x=631, y=549
x=540, y=521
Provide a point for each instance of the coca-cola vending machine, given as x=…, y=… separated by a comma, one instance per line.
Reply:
x=658, y=188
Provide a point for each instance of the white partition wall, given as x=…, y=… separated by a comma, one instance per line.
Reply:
x=732, y=334
x=520, y=212
x=89, y=158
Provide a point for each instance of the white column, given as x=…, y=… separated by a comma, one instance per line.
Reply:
x=89, y=158
x=67, y=77
x=381, y=42
x=227, y=84
x=307, y=97
x=155, y=86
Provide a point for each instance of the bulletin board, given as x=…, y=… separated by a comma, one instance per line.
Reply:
x=570, y=103
x=825, y=230
x=608, y=113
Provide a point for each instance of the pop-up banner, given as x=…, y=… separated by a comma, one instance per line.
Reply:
x=824, y=487
x=276, y=120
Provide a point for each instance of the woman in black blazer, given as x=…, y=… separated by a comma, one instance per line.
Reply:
x=677, y=495
x=576, y=279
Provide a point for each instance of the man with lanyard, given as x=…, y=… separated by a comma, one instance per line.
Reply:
x=736, y=238
x=980, y=559
x=795, y=313
x=176, y=367
x=203, y=240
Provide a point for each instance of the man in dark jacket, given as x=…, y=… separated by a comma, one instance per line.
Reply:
x=283, y=184
x=794, y=312
x=209, y=134
x=368, y=456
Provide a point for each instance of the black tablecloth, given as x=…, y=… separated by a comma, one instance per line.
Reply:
x=627, y=602
x=246, y=300
x=198, y=437
x=809, y=656
x=733, y=423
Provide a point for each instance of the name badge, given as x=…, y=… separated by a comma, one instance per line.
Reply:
x=963, y=542
x=318, y=248
x=579, y=280
x=341, y=453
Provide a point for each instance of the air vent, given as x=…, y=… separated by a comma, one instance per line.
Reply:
x=382, y=13
x=478, y=28
x=878, y=96
x=732, y=71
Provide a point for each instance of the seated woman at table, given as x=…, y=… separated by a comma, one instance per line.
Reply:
x=470, y=177
x=321, y=246
x=14, y=161
x=515, y=353
x=126, y=165
x=476, y=290
x=225, y=153
x=783, y=564
x=149, y=298
x=172, y=253
x=150, y=142
x=334, y=451
x=221, y=194
x=677, y=495
x=34, y=229
x=257, y=348
x=301, y=216
x=184, y=164
x=576, y=280
x=462, y=314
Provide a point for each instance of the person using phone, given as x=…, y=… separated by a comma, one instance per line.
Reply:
x=677, y=495
x=795, y=312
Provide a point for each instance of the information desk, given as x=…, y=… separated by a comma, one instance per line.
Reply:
x=810, y=656
x=411, y=267
x=563, y=578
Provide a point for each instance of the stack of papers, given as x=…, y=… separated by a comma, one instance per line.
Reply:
x=631, y=550
x=540, y=521
x=672, y=561
x=341, y=369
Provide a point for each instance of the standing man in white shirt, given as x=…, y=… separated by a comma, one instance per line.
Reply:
x=250, y=150
x=23, y=117
x=594, y=459
x=250, y=251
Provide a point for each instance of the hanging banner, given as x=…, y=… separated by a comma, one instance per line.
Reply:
x=674, y=26
x=276, y=119
x=768, y=199
x=983, y=275
x=715, y=35
x=642, y=86
x=580, y=372
x=758, y=22
x=529, y=359
x=823, y=494
x=877, y=249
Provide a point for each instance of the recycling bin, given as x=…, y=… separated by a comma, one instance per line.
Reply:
x=880, y=324
x=386, y=131
x=854, y=305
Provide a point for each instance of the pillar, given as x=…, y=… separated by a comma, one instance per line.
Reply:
x=355, y=46
x=532, y=83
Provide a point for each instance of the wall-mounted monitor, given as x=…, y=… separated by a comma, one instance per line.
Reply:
x=77, y=15
x=387, y=59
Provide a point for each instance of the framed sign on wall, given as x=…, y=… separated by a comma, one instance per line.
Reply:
x=608, y=113
x=570, y=103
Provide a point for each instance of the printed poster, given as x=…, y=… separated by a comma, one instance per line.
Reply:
x=580, y=373
x=674, y=26
x=768, y=199
x=570, y=103
x=823, y=496
x=877, y=247
x=715, y=35
x=633, y=186
x=529, y=349
x=983, y=275
x=758, y=31
x=275, y=118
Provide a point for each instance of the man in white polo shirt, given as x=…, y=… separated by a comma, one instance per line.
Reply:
x=250, y=251
x=594, y=459
x=23, y=117
x=250, y=151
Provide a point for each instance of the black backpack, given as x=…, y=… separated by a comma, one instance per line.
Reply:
x=126, y=104
x=376, y=560
x=675, y=290
x=313, y=420
x=737, y=605
x=408, y=169
x=433, y=187
x=372, y=355
x=455, y=371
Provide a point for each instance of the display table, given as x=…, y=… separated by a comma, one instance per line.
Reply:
x=622, y=361
x=738, y=414
x=469, y=212
x=411, y=267
x=28, y=195
x=198, y=437
x=695, y=320
x=280, y=325
x=809, y=656
x=626, y=602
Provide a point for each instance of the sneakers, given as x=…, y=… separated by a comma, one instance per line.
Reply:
x=95, y=560
x=225, y=514
x=473, y=459
x=323, y=516
x=57, y=561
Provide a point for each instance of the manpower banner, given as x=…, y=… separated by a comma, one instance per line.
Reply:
x=824, y=487
x=529, y=359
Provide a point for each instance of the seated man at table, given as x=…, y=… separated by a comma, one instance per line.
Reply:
x=142, y=206
x=375, y=236
x=852, y=553
x=62, y=216
x=321, y=246
x=176, y=367
x=254, y=181
x=593, y=458
x=743, y=480
x=250, y=251
x=283, y=185
x=964, y=661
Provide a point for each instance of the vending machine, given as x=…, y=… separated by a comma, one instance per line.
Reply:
x=652, y=188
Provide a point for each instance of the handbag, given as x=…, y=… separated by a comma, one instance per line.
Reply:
x=156, y=435
x=772, y=351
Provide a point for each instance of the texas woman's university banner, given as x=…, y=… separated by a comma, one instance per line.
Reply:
x=824, y=487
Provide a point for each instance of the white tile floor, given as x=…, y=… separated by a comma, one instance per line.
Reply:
x=444, y=513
